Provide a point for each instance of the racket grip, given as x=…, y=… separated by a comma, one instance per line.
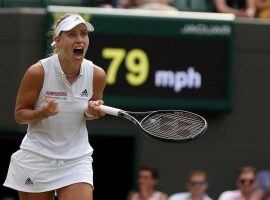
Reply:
x=110, y=110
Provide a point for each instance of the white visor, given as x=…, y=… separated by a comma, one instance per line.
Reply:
x=69, y=23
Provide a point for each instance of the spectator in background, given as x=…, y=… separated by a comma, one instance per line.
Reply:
x=194, y=5
x=147, y=181
x=106, y=3
x=263, y=183
x=155, y=5
x=263, y=8
x=125, y=4
x=246, y=184
x=240, y=8
x=196, y=185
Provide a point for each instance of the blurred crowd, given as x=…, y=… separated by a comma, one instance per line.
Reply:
x=240, y=8
x=249, y=184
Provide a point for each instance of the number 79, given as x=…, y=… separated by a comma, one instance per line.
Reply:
x=136, y=62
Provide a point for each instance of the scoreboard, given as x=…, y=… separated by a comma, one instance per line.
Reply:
x=161, y=60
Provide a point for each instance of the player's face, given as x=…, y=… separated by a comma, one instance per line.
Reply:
x=197, y=184
x=246, y=182
x=75, y=43
x=146, y=180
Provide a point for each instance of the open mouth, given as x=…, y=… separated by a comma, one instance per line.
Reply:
x=78, y=51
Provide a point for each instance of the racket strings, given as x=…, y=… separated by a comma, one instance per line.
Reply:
x=174, y=125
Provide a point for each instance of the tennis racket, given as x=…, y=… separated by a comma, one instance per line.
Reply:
x=165, y=125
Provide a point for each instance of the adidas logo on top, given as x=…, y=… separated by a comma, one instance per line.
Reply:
x=84, y=93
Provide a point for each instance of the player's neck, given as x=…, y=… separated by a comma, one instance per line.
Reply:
x=69, y=68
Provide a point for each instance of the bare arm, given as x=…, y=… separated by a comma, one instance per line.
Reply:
x=222, y=7
x=251, y=8
x=99, y=82
x=262, y=4
x=28, y=95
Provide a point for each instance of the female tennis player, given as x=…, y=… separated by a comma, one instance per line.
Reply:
x=56, y=96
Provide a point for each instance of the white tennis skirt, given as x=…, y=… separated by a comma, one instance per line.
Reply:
x=31, y=172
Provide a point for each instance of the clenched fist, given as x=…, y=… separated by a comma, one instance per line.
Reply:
x=50, y=107
x=94, y=109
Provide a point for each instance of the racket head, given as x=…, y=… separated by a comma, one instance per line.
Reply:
x=173, y=125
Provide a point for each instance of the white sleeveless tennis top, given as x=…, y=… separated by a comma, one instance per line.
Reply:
x=64, y=135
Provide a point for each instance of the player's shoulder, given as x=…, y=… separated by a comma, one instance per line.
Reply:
x=99, y=72
x=35, y=70
x=97, y=69
x=34, y=76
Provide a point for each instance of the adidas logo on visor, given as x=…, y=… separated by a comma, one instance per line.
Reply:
x=77, y=19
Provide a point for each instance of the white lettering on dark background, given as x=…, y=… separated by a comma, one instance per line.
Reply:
x=178, y=80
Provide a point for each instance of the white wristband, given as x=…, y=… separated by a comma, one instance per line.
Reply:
x=89, y=117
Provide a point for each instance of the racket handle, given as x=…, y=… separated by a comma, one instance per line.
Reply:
x=110, y=110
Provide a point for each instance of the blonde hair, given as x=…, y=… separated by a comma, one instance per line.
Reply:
x=55, y=48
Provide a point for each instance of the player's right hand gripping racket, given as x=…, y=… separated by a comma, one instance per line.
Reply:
x=165, y=125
